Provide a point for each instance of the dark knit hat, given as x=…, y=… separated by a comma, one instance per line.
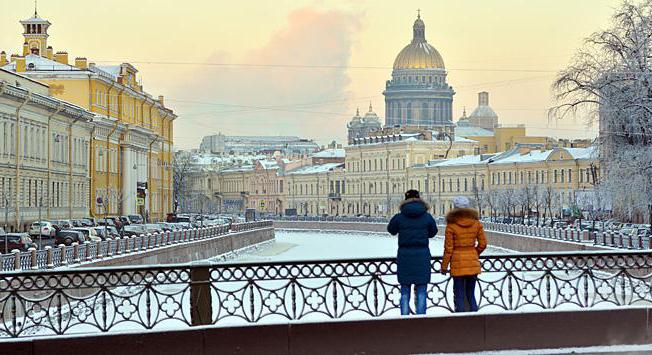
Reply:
x=411, y=194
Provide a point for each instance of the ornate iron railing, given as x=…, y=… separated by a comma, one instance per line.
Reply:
x=34, y=303
x=62, y=255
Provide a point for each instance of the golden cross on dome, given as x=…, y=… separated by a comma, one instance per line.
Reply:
x=418, y=13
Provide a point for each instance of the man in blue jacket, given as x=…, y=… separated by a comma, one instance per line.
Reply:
x=414, y=226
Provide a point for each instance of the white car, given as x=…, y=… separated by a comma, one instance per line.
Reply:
x=43, y=228
x=89, y=233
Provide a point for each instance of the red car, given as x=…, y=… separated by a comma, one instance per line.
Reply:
x=11, y=241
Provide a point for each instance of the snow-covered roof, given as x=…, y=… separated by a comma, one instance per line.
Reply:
x=465, y=160
x=209, y=159
x=268, y=164
x=36, y=62
x=532, y=156
x=472, y=131
x=315, y=169
x=462, y=139
x=582, y=153
x=330, y=153
x=113, y=70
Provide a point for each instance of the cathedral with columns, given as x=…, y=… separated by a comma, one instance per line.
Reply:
x=418, y=94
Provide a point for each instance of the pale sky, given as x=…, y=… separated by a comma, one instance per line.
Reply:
x=320, y=59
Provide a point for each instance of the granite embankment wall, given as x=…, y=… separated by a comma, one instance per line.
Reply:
x=190, y=251
x=516, y=242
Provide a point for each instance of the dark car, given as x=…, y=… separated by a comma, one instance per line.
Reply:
x=136, y=219
x=110, y=221
x=76, y=223
x=107, y=232
x=125, y=220
x=20, y=241
x=67, y=237
x=87, y=222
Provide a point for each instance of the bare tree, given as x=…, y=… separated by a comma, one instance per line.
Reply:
x=182, y=164
x=610, y=81
x=549, y=201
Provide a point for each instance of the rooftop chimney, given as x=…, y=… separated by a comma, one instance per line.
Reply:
x=81, y=63
x=20, y=64
x=61, y=57
x=48, y=52
x=3, y=58
x=161, y=100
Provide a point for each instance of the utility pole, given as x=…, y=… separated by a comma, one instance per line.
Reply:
x=40, y=227
x=6, y=201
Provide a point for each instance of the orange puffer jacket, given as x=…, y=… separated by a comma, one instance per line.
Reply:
x=465, y=241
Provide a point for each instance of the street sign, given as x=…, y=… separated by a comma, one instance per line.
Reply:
x=99, y=200
x=140, y=201
x=262, y=204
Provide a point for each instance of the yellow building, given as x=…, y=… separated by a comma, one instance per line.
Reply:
x=503, y=138
x=377, y=168
x=316, y=190
x=131, y=143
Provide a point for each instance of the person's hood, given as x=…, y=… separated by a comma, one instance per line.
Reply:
x=464, y=217
x=414, y=207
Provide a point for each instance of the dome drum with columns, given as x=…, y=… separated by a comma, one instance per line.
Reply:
x=418, y=94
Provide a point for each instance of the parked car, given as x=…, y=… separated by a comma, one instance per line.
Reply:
x=67, y=237
x=111, y=221
x=20, y=241
x=62, y=224
x=87, y=222
x=43, y=228
x=184, y=225
x=125, y=220
x=134, y=229
x=105, y=232
x=136, y=219
x=89, y=233
x=76, y=223
x=153, y=228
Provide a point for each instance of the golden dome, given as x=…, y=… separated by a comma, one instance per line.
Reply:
x=419, y=54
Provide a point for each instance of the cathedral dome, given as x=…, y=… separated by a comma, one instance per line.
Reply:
x=419, y=54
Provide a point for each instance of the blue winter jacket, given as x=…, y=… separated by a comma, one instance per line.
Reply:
x=414, y=226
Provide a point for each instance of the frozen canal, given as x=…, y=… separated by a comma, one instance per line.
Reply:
x=318, y=245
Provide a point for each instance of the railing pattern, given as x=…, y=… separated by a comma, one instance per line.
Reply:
x=71, y=301
x=74, y=254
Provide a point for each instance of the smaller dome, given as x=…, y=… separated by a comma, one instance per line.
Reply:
x=371, y=115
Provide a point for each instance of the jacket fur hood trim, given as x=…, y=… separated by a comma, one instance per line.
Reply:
x=461, y=213
x=409, y=200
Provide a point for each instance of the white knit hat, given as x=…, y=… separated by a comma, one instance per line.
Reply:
x=461, y=202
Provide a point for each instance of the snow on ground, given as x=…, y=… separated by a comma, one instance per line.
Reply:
x=324, y=245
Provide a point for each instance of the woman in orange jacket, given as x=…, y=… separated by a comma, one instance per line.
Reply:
x=465, y=241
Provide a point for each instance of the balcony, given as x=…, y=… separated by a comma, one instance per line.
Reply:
x=335, y=196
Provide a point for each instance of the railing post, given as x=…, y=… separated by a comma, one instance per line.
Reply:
x=33, y=261
x=16, y=253
x=109, y=247
x=201, y=310
x=87, y=249
x=63, y=260
x=75, y=253
x=49, y=258
x=98, y=250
